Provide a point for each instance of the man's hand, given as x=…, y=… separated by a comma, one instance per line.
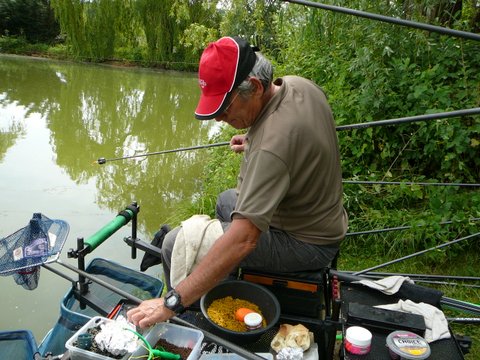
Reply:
x=237, y=242
x=237, y=143
x=149, y=312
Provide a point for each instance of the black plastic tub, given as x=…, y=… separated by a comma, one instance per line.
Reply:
x=257, y=294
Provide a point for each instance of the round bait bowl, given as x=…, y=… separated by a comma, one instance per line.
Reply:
x=256, y=294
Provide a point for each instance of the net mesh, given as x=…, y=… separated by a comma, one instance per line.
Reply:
x=22, y=252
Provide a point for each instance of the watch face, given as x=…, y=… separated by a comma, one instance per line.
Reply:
x=171, y=301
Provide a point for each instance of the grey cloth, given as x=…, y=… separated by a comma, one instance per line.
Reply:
x=276, y=250
x=389, y=285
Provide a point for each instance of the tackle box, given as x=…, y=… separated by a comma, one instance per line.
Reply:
x=174, y=334
x=300, y=293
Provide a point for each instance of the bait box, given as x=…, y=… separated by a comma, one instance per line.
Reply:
x=177, y=335
x=406, y=345
x=77, y=353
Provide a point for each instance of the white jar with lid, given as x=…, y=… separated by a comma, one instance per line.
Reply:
x=253, y=321
x=358, y=340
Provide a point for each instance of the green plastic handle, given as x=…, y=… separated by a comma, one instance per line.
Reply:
x=165, y=354
x=108, y=230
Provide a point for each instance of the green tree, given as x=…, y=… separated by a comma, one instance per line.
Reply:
x=32, y=19
x=167, y=30
x=373, y=71
x=252, y=20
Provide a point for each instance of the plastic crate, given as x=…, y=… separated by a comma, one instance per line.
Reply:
x=77, y=353
x=17, y=344
x=177, y=335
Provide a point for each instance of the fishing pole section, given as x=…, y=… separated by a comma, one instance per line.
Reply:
x=409, y=119
x=389, y=19
x=102, y=160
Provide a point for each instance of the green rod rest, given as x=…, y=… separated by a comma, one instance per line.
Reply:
x=108, y=230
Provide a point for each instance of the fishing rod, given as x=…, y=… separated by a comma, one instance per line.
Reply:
x=102, y=160
x=389, y=19
x=366, y=182
x=415, y=254
x=446, y=301
x=409, y=119
x=464, y=306
x=415, y=277
x=398, y=228
x=463, y=320
x=422, y=280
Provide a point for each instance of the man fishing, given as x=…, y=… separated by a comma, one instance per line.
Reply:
x=286, y=213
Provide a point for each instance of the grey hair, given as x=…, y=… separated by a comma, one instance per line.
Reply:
x=262, y=70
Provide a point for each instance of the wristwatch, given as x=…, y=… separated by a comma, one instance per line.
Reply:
x=173, y=301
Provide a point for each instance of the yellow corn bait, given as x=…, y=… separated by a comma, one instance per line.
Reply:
x=222, y=312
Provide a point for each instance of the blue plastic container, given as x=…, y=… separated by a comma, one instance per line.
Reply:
x=18, y=345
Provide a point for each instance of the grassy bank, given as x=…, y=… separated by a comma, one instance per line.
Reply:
x=59, y=51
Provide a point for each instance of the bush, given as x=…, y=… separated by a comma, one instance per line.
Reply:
x=20, y=45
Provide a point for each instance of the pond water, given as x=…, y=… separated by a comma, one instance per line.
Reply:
x=56, y=120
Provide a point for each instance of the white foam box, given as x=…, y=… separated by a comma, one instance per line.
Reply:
x=177, y=335
x=82, y=354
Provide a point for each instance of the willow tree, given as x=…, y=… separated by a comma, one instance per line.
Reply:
x=165, y=24
x=101, y=17
x=70, y=14
x=157, y=26
x=90, y=27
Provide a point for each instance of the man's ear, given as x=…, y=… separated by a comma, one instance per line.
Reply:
x=259, y=90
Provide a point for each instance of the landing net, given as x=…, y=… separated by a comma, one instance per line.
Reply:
x=23, y=252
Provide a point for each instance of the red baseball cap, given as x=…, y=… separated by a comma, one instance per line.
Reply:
x=224, y=64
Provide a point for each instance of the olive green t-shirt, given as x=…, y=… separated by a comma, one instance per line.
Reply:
x=290, y=178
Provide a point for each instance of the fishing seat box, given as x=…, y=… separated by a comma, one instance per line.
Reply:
x=299, y=293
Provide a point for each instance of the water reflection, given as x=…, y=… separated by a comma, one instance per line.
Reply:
x=94, y=112
x=56, y=119
x=9, y=133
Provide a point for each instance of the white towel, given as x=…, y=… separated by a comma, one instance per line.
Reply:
x=192, y=243
x=435, y=321
x=389, y=285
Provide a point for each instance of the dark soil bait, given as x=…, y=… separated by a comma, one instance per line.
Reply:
x=162, y=344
